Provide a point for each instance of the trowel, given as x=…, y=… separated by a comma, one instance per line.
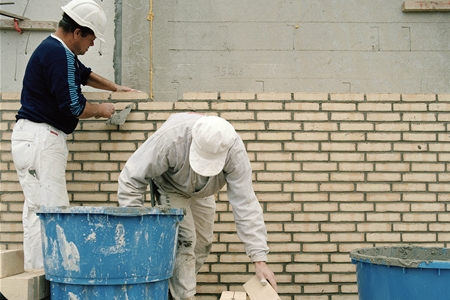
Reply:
x=120, y=118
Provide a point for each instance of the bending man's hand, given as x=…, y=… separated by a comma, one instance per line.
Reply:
x=265, y=274
x=121, y=88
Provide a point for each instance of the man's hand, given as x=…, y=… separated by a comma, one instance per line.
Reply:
x=105, y=110
x=121, y=88
x=265, y=274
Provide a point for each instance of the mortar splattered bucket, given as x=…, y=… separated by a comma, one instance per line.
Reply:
x=402, y=273
x=109, y=252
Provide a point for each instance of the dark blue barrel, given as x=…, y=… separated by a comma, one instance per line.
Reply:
x=402, y=273
x=109, y=252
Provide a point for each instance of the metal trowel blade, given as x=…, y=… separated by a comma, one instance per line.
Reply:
x=120, y=118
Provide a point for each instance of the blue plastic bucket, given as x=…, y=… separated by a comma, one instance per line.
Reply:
x=109, y=252
x=402, y=273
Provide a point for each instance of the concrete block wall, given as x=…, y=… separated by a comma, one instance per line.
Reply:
x=333, y=172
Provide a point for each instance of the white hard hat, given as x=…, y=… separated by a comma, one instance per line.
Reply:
x=87, y=13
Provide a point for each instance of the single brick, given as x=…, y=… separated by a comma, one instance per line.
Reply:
x=11, y=262
x=25, y=286
x=273, y=96
x=237, y=96
x=199, y=96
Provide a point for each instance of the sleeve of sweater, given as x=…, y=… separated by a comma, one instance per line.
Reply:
x=247, y=211
x=66, y=74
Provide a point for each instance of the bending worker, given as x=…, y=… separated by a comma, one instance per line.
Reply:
x=189, y=159
x=52, y=104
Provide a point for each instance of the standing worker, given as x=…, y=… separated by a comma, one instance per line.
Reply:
x=189, y=159
x=52, y=104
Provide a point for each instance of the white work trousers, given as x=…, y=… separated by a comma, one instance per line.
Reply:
x=195, y=237
x=40, y=157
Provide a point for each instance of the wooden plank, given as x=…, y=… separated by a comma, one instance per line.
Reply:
x=425, y=6
x=257, y=291
x=30, y=25
x=232, y=295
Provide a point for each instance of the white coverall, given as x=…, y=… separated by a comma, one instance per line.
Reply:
x=164, y=158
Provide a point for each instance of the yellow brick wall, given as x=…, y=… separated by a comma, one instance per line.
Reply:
x=333, y=172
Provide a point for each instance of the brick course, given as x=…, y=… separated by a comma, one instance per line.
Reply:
x=333, y=172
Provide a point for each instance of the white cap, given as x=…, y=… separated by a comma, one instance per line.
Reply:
x=212, y=137
x=87, y=13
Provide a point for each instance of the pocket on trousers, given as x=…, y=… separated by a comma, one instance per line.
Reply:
x=22, y=148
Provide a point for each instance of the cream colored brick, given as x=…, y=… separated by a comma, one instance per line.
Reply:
x=154, y=106
x=311, y=96
x=419, y=97
x=347, y=116
x=10, y=95
x=273, y=116
x=299, y=187
x=410, y=107
x=273, y=96
x=443, y=97
x=428, y=127
x=264, y=106
x=347, y=217
x=237, y=96
x=347, y=97
x=376, y=147
x=383, y=97
x=383, y=117
x=336, y=187
x=360, y=127
x=374, y=107
x=11, y=262
x=191, y=106
x=274, y=176
x=319, y=166
x=384, y=217
x=311, y=136
x=374, y=187
x=338, y=146
x=310, y=176
x=238, y=116
x=308, y=156
x=10, y=105
x=384, y=177
x=256, y=126
x=129, y=96
x=409, y=187
x=348, y=176
x=338, y=106
x=418, y=237
x=227, y=106
x=388, y=126
x=199, y=96
x=25, y=286
x=383, y=237
x=264, y=136
x=97, y=96
x=302, y=106
x=310, y=116
x=346, y=156
x=320, y=126
x=264, y=146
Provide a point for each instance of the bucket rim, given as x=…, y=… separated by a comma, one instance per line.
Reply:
x=109, y=210
x=433, y=259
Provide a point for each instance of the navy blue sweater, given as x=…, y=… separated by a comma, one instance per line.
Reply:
x=51, y=90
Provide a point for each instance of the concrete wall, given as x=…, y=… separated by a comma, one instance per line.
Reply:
x=333, y=172
x=361, y=46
